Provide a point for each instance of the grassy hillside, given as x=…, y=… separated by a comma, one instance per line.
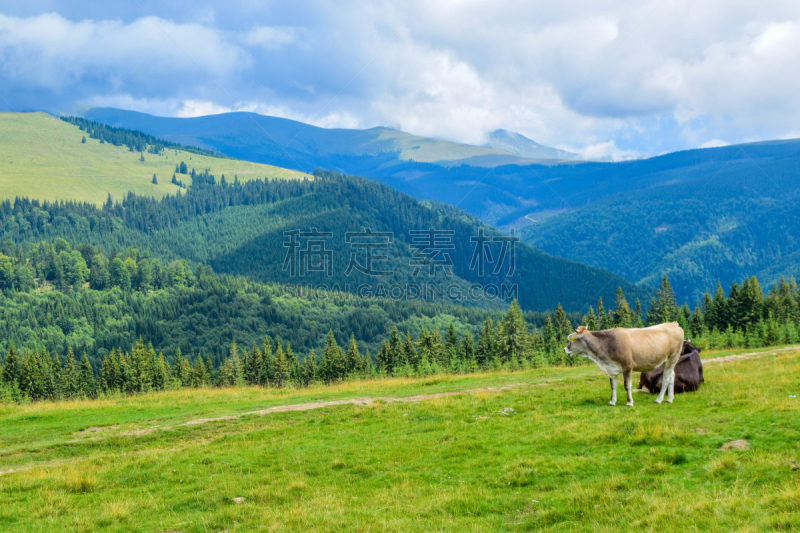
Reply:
x=562, y=459
x=43, y=157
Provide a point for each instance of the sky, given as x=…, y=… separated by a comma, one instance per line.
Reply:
x=608, y=79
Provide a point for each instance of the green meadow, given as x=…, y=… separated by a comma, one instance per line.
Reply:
x=544, y=453
x=43, y=157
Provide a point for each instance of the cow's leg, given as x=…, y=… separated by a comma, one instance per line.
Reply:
x=664, y=382
x=671, y=387
x=613, y=391
x=628, y=375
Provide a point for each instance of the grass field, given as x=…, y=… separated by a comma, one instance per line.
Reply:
x=561, y=460
x=42, y=157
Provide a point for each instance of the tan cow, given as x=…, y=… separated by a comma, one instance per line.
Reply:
x=628, y=350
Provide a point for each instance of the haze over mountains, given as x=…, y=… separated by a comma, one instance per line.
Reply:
x=518, y=144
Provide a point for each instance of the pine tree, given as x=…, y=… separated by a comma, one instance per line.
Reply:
x=155, y=179
x=108, y=373
x=663, y=307
x=590, y=320
x=69, y=376
x=602, y=317
x=86, y=381
x=310, y=367
x=561, y=323
x=281, y=375
x=622, y=315
x=395, y=352
x=468, y=351
x=200, y=377
x=268, y=362
x=353, y=359
x=637, y=315
x=410, y=354
x=332, y=364
x=486, y=350
x=161, y=375
x=294, y=364
x=551, y=342
x=10, y=367
x=451, y=345
x=512, y=334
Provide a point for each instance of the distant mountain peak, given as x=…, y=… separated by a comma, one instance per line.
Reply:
x=519, y=145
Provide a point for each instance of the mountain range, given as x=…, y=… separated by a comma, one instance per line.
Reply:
x=241, y=225
x=701, y=216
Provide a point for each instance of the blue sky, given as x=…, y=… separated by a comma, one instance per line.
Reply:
x=605, y=78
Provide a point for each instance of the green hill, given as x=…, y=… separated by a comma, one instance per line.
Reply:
x=43, y=157
x=244, y=228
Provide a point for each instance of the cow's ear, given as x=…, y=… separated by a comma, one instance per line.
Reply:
x=581, y=329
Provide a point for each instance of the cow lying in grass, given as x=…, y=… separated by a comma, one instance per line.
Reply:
x=627, y=350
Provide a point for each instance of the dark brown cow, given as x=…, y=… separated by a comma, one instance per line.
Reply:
x=688, y=372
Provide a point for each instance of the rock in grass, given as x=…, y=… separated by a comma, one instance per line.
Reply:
x=237, y=500
x=736, y=445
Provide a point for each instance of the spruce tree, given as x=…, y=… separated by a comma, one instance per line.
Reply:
x=200, y=377
x=637, y=315
x=395, y=351
x=468, y=351
x=410, y=351
x=512, y=334
x=86, y=381
x=663, y=307
x=10, y=367
x=622, y=314
x=281, y=372
x=602, y=317
x=332, y=364
x=486, y=350
x=267, y=362
x=590, y=320
x=69, y=376
x=353, y=358
x=310, y=367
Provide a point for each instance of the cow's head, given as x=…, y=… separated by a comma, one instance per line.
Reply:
x=576, y=344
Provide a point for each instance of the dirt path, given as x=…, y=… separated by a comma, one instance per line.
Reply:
x=366, y=401
x=750, y=355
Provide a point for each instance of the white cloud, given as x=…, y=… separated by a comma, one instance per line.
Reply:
x=606, y=151
x=270, y=36
x=148, y=55
x=713, y=143
x=644, y=78
x=199, y=108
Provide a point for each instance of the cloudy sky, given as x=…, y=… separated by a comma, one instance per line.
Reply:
x=604, y=78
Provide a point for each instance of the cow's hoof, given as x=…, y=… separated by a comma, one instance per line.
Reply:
x=629, y=404
x=669, y=400
x=659, y=400
x=612, y=404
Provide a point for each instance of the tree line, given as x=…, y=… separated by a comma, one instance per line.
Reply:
x=744, y=317
x=134, y=140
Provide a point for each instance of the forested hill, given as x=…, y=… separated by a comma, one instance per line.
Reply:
x=700, y=215
x=296, y=232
